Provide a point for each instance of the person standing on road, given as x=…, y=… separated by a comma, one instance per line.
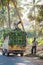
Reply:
x=34, y=46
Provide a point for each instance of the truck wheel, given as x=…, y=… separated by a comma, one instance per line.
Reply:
x=3, y=53
x=21, y=54
x=7, y=54
x=16, y=54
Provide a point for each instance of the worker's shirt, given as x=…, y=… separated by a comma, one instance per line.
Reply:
x=34, y=43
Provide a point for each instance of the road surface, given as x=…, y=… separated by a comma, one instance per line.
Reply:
x=15, y=60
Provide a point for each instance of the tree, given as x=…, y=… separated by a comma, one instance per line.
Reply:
x=5, y=3
x=2, y=13
x=34, y=4
x=39, y=17
x=32, y=13
x=15, y=2
x=15, y=5
x=8, y=13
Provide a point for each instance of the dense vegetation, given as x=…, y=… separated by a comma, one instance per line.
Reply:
x=17, y=37
x=13, y=10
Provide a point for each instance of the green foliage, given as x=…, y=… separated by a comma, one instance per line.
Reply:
x=17, y=37
x=40, y=41
x=40, y=13
x=5, y=33
x=32, y=12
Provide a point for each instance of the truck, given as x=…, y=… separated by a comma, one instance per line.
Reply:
x=14, y=42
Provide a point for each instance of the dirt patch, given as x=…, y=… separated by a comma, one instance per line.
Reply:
x=39, y=50
x=38, y=58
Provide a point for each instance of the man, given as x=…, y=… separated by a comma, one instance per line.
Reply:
x=34, y=44
x=16, y=24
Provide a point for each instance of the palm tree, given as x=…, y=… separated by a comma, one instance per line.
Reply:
x=3, y=4
x=8, y=13
x=40, y=17
x=32, y=10
x=15, y=5
x=2, y=12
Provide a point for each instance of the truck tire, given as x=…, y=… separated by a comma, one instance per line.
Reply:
x=16, y=54
x=21, y=54
x=3, y=53
x=8, y=54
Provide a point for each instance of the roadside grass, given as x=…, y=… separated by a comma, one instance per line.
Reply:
x=0, y=42
x=41, y=57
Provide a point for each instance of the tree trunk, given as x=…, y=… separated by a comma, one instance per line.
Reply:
x=18, y=14
x=35, y=20
x=8, y=14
